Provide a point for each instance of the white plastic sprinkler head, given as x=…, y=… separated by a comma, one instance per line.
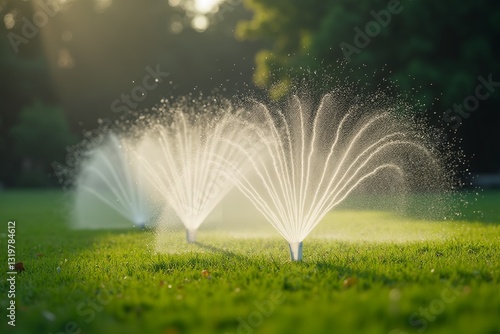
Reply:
x=140, y=226
x=190, y=235
x=296, y=251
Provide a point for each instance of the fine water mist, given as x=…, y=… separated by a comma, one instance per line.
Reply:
x=110, y=177
x=316, y=155
x=192, y=158
x=293, y=161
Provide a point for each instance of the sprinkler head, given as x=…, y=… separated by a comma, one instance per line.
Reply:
x=140, y=226
x=296, y=250
x=190, y=236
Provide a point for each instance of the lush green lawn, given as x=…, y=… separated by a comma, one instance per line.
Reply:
x=375, y=273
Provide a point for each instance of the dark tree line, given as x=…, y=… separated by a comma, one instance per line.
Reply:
x=63, y=78
x=444, y=53
x=60, y=76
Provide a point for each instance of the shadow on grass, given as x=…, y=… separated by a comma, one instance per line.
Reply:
x=201, y=256
x=349, y=276
x=222, y=251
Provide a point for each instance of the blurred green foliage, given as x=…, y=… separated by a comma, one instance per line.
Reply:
x=437, y=48
x=41, y=137
x=108, y=58
x=432, y=49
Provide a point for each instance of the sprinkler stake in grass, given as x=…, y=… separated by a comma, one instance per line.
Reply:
x=190, y=236
x=317, y=155
x=296, y=251
x=110, y=174
x=191, y=158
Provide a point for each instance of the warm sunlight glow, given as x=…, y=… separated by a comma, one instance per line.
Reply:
x=199, y=23
x=9, y=21
x=102, y=5
x=205, y=6
x=174, y=3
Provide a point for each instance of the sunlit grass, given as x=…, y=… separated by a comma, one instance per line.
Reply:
x=364, y=272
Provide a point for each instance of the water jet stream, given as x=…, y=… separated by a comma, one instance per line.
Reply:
x=310, y=166
x=191, y=161
x=110, y=173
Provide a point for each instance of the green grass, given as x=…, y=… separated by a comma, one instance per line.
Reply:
x=364, y=272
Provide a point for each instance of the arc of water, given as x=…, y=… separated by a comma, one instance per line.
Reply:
x=333, y=194
x=311, y=149
x=185, y=175
x=332, y=150
x=314, y=209
x=278, y=155
x=120, y=193
x=251, y=193
x=330, y=153
x=332, y=204
x=268, y=182
x=111, y=167
x=291, y=195
x=136, y=201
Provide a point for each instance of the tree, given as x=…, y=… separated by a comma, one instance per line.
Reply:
x=41, y=137
x=440, y=45
x=434, y=51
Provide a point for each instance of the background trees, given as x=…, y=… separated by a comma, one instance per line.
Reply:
x=87, y=55
x=91, y=52
x=434, y=50
x=40, y=137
